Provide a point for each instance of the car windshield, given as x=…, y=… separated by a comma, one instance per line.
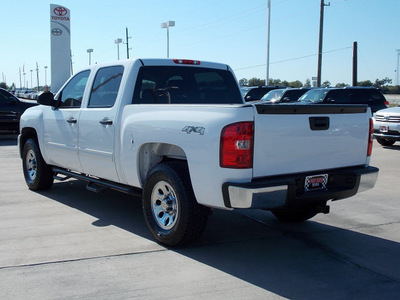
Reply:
x=316, y=95
x=273, y=95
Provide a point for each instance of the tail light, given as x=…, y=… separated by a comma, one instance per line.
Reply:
x=370, y=137
x=386, y=103
x=236, y=145
x=186, y=62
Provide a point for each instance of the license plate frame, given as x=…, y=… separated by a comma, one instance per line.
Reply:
x=315, y=182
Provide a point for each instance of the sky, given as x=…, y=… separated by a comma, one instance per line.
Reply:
x=233, y=32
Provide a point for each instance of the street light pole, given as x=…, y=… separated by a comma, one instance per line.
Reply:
x=118, y=41
x=45, y=75
x=168, y=25
x=90, y=55
x=398, y=54
x=321, y=29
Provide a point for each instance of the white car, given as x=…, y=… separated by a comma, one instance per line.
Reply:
x=387, y=126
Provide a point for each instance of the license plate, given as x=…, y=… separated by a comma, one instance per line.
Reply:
x=316, y=182
x=384, y=129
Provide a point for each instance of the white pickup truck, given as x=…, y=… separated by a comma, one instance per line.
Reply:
x=179, y=133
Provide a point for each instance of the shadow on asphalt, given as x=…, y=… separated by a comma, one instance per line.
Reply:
x=287, y=260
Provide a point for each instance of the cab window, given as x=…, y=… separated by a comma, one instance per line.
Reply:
x=105, y=87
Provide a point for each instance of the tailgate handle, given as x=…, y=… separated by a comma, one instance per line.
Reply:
x=319, y=123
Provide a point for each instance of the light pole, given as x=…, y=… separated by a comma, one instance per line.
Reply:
x=398, y=54
x=168, y=25
x=45, y=75
x=31, y=80
x=118, y=41
x=321, y=29
x=90, y=55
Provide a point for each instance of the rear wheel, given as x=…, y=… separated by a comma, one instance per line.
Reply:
x=384, y=142
x=38, y=175
x=296, y=215
x=171, y=211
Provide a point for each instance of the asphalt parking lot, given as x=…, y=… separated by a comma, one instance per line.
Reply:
x=69, y=243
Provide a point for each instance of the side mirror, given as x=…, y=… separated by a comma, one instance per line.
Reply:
x=47, y=98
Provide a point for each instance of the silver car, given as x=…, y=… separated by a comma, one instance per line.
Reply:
x=387, y=126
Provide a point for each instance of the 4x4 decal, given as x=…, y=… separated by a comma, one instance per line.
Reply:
x=195, y=129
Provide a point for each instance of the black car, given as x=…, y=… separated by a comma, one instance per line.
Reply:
x=257, y=92
x=11, y=109
x=284, y=95
x=348, y=95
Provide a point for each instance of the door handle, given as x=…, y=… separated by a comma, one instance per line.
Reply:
x=72, y=120
x=106, y=122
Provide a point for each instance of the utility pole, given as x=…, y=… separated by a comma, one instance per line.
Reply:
x=321, y=29
x=127, y=43
x=355, y=63
x=268, y=33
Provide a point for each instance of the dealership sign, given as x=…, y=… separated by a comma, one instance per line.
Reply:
x=60, y=35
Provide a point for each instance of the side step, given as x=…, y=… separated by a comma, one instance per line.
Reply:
x=96, y=184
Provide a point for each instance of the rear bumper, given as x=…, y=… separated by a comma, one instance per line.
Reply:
x=288, y=191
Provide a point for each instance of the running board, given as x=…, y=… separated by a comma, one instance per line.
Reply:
x=96, y=184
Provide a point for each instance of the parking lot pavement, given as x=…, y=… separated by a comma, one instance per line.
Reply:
x=70, y=243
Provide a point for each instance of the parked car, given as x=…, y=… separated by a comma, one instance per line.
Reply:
x=348, y=95
x=257, y=92
x=387, y=126
x=11, y=109
x=284, y=95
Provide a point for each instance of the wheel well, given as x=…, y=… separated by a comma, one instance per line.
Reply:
x=26, y=133
x=152, y=154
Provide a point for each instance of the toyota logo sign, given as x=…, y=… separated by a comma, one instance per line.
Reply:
x=56, y=31
x=60, y=11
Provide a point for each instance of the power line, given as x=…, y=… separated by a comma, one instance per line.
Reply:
x=291, y=59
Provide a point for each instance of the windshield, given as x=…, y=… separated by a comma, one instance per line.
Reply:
x=315, y=95
x=273, y=95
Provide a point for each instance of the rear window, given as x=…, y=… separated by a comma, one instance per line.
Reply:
x=185, y=85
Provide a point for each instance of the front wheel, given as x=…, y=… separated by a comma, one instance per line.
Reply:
x=171, y=211
x=384, y=142
x=38, y=175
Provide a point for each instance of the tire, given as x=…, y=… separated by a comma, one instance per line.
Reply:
x=171, y=211
x=296, y=215
x=384, y=142
x=38, y=175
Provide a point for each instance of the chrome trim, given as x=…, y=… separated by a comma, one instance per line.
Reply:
x=367, y=181
x=266, y=197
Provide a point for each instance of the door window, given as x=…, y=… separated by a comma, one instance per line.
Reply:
x=105, y=88
x=72, y=94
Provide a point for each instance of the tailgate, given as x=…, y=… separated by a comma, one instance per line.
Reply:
x=302, y=138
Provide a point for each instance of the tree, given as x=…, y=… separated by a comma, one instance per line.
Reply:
x=326, y=83
x=274, y=81
x=380, y=83
x=256, y=82
x=296, y=84
x=365, y=83
x=341, y=84
x=308, y=83
x=3, y=85
x=243, y=82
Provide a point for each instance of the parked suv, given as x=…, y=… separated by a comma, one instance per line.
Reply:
x=348, y=95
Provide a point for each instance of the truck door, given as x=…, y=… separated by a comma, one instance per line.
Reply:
x=61, y=125
x=97, y=125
